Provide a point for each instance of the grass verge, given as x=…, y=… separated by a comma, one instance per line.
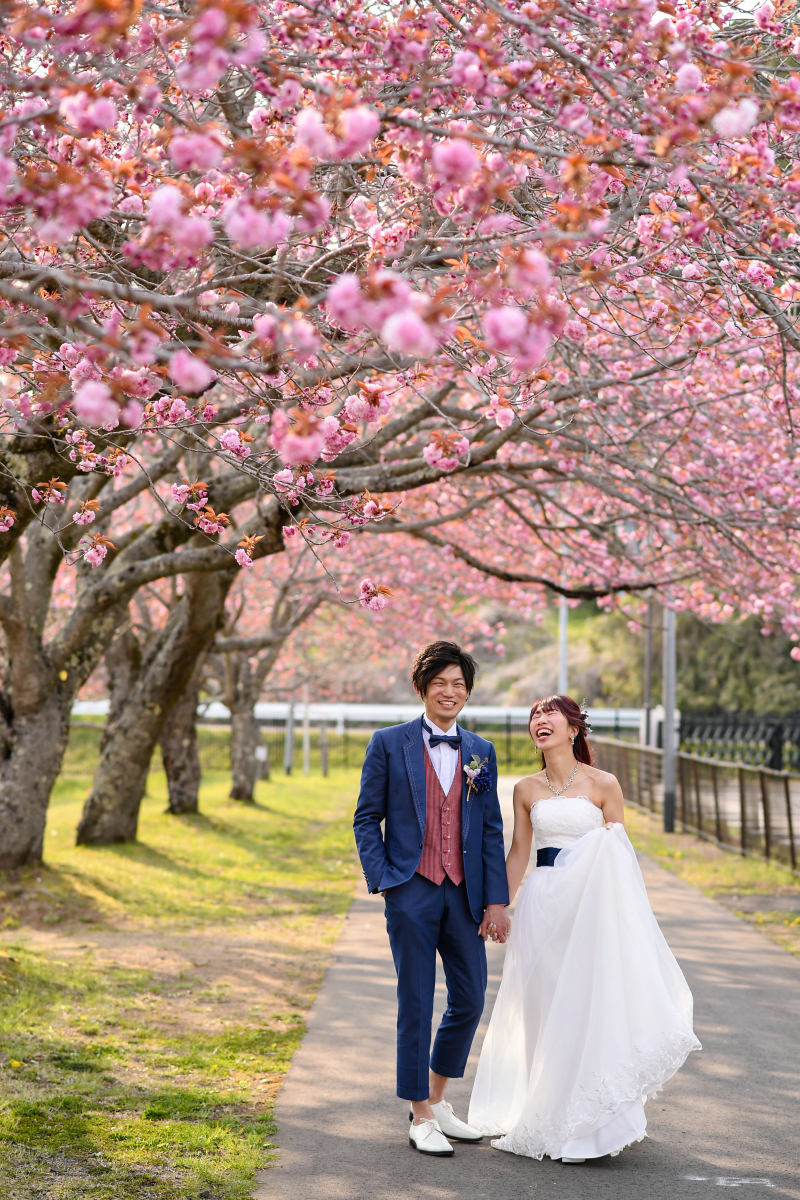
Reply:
x=737, y=881
x=152, y=995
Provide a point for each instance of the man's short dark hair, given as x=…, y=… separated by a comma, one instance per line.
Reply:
x=434, y=658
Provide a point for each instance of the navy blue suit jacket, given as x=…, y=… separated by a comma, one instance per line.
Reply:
x=393, y=792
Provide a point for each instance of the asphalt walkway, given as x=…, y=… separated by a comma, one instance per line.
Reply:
x=729, y=1119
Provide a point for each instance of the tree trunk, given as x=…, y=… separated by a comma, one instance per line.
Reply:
x=179, y=749
x=34, y=750
x=123, y=661
x=35, y=708
x=245, y=738
x=111, y=813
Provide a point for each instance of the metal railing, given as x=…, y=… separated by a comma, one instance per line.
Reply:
x=759, y=739
x=754, y=810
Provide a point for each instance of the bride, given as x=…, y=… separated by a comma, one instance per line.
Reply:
x=593, y=1013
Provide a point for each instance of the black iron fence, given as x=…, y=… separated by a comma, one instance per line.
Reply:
x=761, y=740
x=753, y=809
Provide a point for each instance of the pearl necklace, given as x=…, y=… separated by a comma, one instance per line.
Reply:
x=557, y=792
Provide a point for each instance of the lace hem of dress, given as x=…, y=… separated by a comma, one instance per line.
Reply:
x=639, y=1082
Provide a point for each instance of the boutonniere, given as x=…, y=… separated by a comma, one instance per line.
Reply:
x=478, y=775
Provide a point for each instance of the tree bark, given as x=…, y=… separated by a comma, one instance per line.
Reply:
x=245, y=737
x=179, y=749
x=34, y=750
x=34, y=731
x=111, y=813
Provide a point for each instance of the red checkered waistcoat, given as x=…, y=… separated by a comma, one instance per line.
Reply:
x=442, y=853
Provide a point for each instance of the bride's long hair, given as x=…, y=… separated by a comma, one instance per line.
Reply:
x=566, y=705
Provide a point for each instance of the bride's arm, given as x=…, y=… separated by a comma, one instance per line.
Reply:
x=520, y=852
x=613, y=804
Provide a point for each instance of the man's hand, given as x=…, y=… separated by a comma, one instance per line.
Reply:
x=496, y=923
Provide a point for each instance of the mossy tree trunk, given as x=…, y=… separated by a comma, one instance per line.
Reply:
x=179, y=748
x=111, y=812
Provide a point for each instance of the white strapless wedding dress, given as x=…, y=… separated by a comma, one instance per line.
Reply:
x=593, y=1013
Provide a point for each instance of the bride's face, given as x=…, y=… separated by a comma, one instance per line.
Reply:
x=551, y=729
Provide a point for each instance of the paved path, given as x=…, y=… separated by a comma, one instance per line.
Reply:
x=730, y=1118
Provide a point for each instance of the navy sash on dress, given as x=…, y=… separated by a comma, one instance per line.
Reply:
x=547, y=855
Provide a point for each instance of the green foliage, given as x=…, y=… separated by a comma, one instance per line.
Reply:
x=159, y=1080
x=734, y=668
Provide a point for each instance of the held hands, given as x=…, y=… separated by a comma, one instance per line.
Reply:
x=496, y=923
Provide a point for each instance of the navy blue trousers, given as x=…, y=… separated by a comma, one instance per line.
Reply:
x=423, y=918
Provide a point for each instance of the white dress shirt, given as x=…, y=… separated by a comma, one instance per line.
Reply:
x=444, y=758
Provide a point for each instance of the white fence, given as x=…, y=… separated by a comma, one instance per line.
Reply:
x=378, y=714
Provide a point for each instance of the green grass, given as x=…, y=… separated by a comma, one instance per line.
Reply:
x=722, y=874
x=152, y=995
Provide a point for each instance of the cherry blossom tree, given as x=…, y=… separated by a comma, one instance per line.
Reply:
x=517, y=280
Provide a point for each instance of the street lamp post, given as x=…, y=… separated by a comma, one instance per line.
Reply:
x=668, y=739
x=563, y=622
x=648, y=671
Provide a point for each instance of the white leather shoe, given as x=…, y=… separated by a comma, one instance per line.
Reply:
x=428, y=1138
x=573, y=1160
x=451, y=1126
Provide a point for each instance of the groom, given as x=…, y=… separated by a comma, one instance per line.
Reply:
x=440, y=864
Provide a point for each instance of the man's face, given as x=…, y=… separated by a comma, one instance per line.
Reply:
x=446, y=696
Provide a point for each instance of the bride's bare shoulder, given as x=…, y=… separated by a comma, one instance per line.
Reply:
x=604, y=781
x=527, y=789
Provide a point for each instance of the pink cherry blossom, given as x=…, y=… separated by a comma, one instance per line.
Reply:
x=178, y=411
x=298, y=441
x=529, y=273
x=166, y=207
x=502, y=412
x=231, y=441
x=304, y=340
x=372, y=596
x=87, y=114
x=466, y=71
x=243, y=558
x=95, y=553
x=94, y=404
x=345, y=302
x=266, y=329
x=505, y=328
x=310, y=132
x=357, y=127
x=250, y=228
x=369, y=404
x=195, y=152
x=337, y=439
x=407, y=333
x=131, y=204
x=688, y=77
x=444, y=450
x=736, y=119
x=190, y=373
x=764, y=17
x=454, y=162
